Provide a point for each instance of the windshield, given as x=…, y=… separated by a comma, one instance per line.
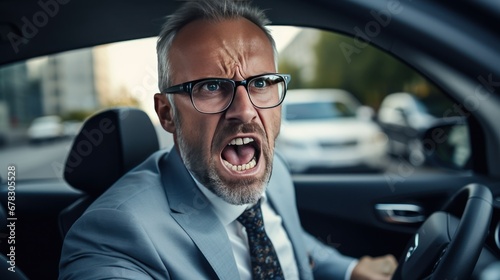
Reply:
x=318, y=111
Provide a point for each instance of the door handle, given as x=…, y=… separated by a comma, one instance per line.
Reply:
x=400, y=213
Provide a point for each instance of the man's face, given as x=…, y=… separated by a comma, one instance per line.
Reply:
x=231, y=152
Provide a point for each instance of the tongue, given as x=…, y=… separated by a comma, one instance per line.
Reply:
x=238, y=155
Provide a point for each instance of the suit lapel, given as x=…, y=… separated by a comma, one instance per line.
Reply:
x=283, y=201
x=193, y=213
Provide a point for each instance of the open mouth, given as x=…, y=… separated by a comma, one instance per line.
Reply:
x=241, y=154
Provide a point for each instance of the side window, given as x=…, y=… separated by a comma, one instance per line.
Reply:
x=394, y=106
x=44, y=101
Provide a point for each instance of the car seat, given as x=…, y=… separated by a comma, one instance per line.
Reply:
x=110, y=143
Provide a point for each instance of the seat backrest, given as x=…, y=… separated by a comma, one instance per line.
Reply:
x=109, y=144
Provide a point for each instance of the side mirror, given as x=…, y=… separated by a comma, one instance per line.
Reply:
x=447, y=144
x=403, y=115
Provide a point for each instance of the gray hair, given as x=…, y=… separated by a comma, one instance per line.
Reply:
x=213, y=10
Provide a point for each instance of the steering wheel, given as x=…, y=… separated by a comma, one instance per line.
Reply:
x=446, y=247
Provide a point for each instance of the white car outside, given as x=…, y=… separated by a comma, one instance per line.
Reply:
x=329, y=128
x=45, y=128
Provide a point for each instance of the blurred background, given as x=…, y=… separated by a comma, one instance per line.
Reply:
x=376, y=107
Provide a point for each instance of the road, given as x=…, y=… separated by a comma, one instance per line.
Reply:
x=46, y=160
x=41, y=161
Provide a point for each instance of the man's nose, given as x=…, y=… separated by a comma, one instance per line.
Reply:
x=242, y=108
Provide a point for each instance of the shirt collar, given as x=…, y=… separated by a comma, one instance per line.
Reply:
x=226, y=211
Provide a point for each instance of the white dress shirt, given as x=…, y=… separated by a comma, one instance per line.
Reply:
x=228, y=213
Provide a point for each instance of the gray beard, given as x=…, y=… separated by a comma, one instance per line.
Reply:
x=237, y=192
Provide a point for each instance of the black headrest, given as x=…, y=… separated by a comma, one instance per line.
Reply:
x=109, y=144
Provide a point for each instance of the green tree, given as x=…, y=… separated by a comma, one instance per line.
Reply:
x=364, y=70
x=367, y=72
x=286, y=67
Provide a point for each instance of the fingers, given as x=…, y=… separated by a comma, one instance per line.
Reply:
x=387, y=264
x=378, y=268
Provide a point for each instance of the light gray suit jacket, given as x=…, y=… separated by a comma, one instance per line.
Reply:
x=154, y=223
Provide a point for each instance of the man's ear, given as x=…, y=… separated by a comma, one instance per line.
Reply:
x=165, y=112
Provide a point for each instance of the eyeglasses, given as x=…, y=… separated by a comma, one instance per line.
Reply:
x=215, y=95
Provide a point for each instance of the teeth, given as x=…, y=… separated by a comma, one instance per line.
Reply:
x=240, y=141
x=241, y=167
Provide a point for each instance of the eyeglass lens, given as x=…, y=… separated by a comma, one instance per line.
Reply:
x=215, y=95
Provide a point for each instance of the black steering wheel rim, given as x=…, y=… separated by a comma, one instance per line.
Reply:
x=447, y=247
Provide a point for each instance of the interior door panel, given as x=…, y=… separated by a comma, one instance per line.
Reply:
x=341, y=210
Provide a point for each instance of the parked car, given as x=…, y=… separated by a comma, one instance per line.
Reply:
x=46, y=128
x=325, y=129
x=404, y=119
x=454, y=44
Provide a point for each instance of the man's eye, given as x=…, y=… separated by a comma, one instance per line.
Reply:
x=211, y=86
x=259, y=83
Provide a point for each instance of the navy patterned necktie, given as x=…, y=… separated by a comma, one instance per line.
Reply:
x=265, y=263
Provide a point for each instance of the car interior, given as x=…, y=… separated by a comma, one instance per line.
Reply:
x=437, y=223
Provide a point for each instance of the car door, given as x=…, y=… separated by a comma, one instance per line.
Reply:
x=375, y=214
x=371, y=213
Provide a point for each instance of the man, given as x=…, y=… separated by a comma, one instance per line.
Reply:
x=198, y=212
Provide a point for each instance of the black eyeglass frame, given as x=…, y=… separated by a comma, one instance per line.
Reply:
x=187, y=88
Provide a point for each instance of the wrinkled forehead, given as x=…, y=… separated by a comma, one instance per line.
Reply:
x=221, y=45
